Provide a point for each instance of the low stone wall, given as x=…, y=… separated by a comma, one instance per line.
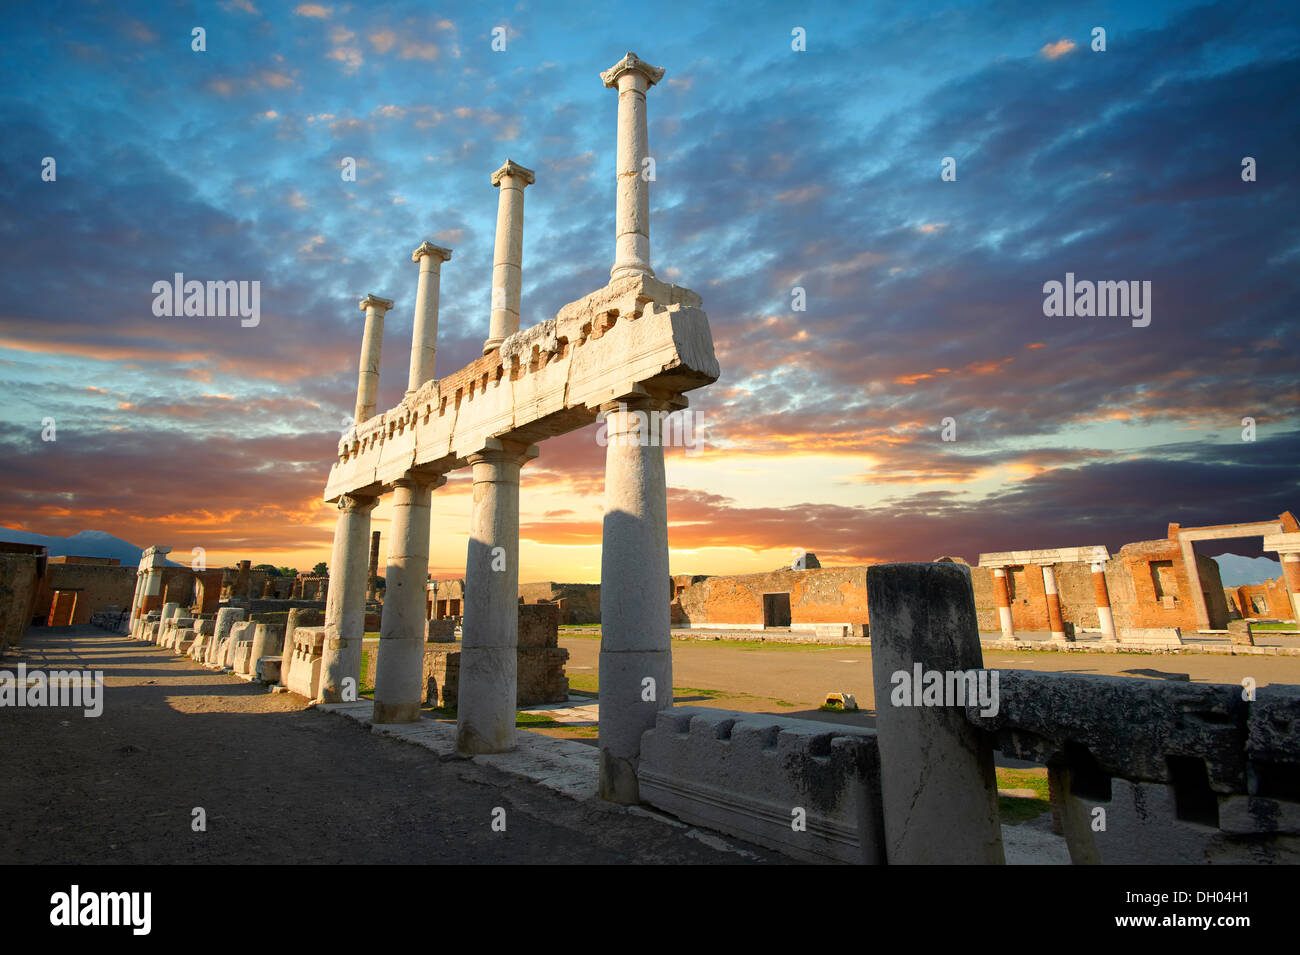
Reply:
x=808, y=789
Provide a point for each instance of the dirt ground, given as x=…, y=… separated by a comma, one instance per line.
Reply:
x=280, y=783
x=793, y=680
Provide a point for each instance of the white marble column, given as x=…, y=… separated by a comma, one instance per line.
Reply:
x=507, y=259
x=372, y=344
x=488, y=690
x=1055, y=622
x=636, y=664
x=632, y=77
x=345, y=602
x=149, y=583
x=399, y=679
x=424, y=335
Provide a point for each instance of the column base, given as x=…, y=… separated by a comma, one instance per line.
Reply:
x=396, y=713
x=618, y=780
x=623, y=270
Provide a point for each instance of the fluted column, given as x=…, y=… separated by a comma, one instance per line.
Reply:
x=487, y=695
x=636, y=664
x=632, y=77
x=424, y=334
x=507, y=258
x=372, y=343
x=345, y=604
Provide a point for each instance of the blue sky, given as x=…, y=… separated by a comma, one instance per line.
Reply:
x=775, y=169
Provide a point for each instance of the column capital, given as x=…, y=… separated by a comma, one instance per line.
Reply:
x=414, y=478
x=354, y=503
x=630, y=62
x=496, y=450
x=513, y=170
x=374, y=301
x=429, y=249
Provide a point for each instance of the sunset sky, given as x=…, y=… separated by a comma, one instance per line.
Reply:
x=775, y=169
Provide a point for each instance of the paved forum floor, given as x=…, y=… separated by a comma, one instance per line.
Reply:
x=278, y=782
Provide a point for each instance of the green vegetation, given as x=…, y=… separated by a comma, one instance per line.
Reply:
x=1273, y=626
x=1015, y=810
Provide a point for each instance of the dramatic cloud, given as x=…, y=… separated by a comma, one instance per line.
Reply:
x=920, y=404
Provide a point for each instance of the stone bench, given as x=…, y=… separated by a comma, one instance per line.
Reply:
x=1151, y=637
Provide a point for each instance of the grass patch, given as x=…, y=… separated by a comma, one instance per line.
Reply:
x=584, y=682
x=365, y=690
x=1015, y=810
x=1273, y=626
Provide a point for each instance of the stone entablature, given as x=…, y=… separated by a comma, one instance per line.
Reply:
x=542, y=381
x=1057, y=555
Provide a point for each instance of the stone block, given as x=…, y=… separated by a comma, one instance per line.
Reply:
x=539, y=625
x=1151, y=637
x=440, y=631
x=753, y=776
x=304, y=671
x=1241, y=633
x=1120, y=726
x=441, y=674
x=243, y=656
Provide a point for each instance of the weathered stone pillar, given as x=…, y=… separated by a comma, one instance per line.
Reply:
x=345, y=606
x=424, y=335
x=1105, y=618
x=632, y=77
x=169, y=610
x=636, y=664
x=227, y=617
x=372, y=343
x=507, y=259
x=937, y=783
x=399, y=678
x=372, y=575
x=490, y=632
x=243, y=580
x=1054, y=621
x=1003, y=598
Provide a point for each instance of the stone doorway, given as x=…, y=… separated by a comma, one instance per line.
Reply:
x=776, y=610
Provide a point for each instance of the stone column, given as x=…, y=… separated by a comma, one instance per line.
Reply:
x=1054, y=621
x=424, y=335
x=169, y=610
x=636, y=664
x=150, y=583
x=345, y=606
x=938, y=788
x=1003, y=599
x=372, y=344
x=1291, y=575
x=490, y=632
x=1105, y=618
x=399, y=678
x=243, y=580
x=632, y=77
x=372, y=576
x=507, y=259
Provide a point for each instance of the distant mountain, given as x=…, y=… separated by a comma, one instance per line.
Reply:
x=1237, y=571
x=81, y=544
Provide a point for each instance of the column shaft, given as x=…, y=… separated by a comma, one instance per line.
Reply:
x=632, y=77
x=488, y=692
x=1105, y=618
x=424, y=334
x=1054, y=621
x=372, y=343
x=399, y=680
x=508, y=254
x=345, y=605
x=1291, y=575
x=636, y=666
x=1003, y=598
